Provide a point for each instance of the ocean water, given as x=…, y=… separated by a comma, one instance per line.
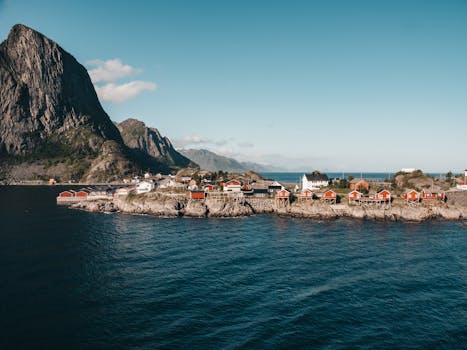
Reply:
x=77, y=280
x=295, y=177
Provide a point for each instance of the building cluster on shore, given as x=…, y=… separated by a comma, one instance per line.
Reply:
x=314, y=187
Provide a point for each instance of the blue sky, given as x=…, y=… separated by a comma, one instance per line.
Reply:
x=331, y=85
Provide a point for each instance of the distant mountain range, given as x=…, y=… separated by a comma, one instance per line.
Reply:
x=214, y=162
x=53, y=125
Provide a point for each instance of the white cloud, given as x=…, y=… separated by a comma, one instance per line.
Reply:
x=110, y=70
x=119, y=93
x=191, y=140
x=105, y=74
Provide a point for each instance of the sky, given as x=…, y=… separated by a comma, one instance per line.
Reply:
x=330, y=85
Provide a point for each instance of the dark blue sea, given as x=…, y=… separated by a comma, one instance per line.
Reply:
x=295, y=177
x=77, y=280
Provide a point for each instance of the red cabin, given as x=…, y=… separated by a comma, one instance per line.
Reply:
x=82, y=193
x=197, y=194
x=383, y=195
x=411, y=196
x=435, y=196
x=66, y=194
x=359, y=184
x=246, y=188
x=329, y=196
x=283, y=194
x=307, y=194
x=354, y=195
x=208, y=188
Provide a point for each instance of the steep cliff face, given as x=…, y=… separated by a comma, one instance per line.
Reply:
x=47, y=99
x=53, y=125
x=149, y=141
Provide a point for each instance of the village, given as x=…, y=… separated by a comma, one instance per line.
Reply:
x=313, y=188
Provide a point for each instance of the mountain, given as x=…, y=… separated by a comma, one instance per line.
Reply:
x=51, y=121
x=46, y=95
x=211, y=161
x=148, y=141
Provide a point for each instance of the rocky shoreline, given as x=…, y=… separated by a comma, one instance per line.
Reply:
x=177, y=205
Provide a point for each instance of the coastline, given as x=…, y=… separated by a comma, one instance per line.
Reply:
x=178, y=205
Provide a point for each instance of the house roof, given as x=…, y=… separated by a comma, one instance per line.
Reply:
x=316, y=177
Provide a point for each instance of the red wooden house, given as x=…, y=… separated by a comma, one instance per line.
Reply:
x=354, y=196
x=359, y=185
x=329, y=196
x=432, y=196
x=246, y=187
x=384, y=196
x=82, y=193
x=197, y=194
x=66, y=194
x=306, y=195
x=209, y=188
x=282, y=198
x=411, y=196
x=283, y=194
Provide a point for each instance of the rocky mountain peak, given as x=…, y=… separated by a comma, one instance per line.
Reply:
x=52, y=123
x=45, y=93
x=138, y=136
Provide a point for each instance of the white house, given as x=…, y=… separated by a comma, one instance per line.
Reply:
x=314, y=181
x=232, y=186
x=192, y=185
x=463, y=184
x=408, y=170
x=275, y=187
x=145, y=186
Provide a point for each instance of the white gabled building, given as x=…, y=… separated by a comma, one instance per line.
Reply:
x=408, y=170
x=463, y=184
x=145, y=186
x=314, y=181
x=232, y=186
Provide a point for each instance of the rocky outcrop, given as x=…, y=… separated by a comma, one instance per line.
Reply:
x=177, y=204
x=227, y=208
x=261, y=205
x=145, y=141
x=319, y=211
